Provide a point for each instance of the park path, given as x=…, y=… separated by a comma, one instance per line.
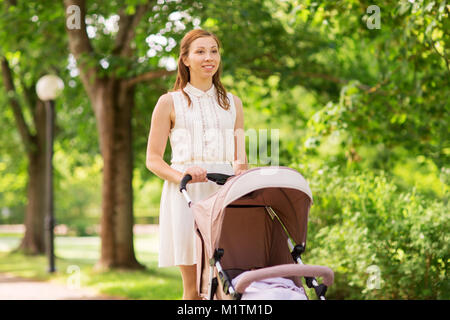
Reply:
x=16, y=288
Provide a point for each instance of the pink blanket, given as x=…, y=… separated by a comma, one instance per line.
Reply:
x=272, y=289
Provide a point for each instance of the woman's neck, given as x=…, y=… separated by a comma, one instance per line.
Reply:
x=202, y=84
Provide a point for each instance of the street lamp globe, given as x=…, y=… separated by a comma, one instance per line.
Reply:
x=49, y=87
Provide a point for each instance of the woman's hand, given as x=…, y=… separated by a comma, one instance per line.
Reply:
x=239, y=168
x=198, y=174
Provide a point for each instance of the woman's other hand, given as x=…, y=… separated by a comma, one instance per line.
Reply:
x=239, y=168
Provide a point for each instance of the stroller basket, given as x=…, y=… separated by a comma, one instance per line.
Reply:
x=256, y=223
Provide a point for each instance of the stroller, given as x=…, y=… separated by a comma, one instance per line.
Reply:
x=256, y=223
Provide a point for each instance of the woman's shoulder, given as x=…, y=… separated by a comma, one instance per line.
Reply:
x=237, y=101
x=174, y=91
x=235, y=97
x=175, y=95
x=165, y=104
x=166, y=99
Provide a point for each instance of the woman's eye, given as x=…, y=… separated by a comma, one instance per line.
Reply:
x=201, y=51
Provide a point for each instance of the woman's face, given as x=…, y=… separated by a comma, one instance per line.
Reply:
x=204, y=57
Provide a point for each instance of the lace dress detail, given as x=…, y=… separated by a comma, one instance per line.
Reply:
x=203, y=131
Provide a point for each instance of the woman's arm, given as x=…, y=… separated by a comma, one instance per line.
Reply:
x=157, y=141
x=240, y=162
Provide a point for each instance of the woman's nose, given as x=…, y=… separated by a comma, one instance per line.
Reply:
x=208, y=56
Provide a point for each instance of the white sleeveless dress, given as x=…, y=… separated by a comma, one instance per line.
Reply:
x=203, y=136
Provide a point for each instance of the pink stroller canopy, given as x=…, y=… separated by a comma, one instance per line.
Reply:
x=245, y=197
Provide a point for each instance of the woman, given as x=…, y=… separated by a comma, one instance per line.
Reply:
x=205, y=125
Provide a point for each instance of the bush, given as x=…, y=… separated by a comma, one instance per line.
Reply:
x=382, y=244
x=83, y=228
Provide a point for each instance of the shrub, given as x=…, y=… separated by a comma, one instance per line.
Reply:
x=381, y=243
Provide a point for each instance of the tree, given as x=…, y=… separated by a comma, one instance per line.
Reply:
x=391, y=84
x=112, y=98
x=24, y=50
x=34, y=145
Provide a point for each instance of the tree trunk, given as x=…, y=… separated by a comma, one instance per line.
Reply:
x=34, y=145
x=33, y=241
x=112, y=100
x=113, y=108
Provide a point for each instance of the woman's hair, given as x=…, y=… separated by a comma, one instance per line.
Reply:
x=183, y=75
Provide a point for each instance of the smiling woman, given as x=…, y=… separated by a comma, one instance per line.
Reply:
x=197, y=117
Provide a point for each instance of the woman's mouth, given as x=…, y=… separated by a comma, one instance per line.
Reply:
x=208, y=67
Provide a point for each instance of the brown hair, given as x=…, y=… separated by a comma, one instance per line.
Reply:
x=183, y=76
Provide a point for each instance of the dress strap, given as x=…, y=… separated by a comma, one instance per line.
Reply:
x=232, y=107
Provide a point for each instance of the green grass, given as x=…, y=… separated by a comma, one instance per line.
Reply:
x=81, y=253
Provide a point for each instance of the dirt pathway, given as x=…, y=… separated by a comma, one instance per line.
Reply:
x=15, y=288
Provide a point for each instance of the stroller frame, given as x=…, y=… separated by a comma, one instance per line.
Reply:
x=296, y=250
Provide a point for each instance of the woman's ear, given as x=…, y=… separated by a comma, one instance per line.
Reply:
x=184, y=59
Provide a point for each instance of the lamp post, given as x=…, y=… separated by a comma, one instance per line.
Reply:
x=48, y=88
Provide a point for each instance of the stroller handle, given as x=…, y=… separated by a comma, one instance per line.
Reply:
x=218, y=178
